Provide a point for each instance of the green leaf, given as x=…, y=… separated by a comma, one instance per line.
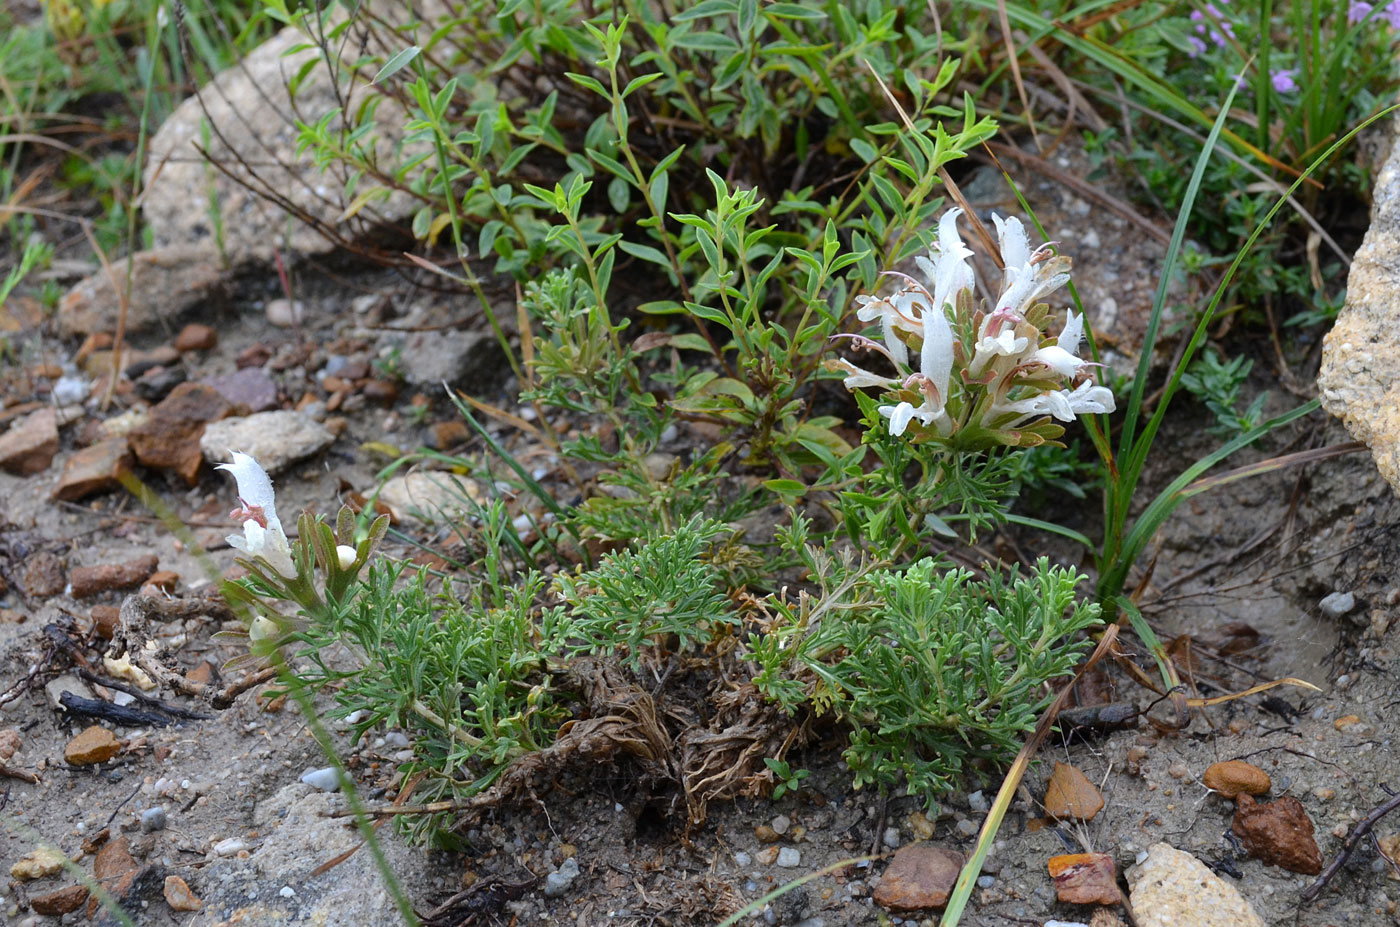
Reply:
x=395, y=64
x=645, y=252
x=637, y=83
x=583, y=80
x=690, y=341
x=792, y=11
x=707, y=8
x=660, y=187
x=619, y=194
x=785, y=487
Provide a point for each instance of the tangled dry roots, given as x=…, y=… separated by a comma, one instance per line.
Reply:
x=623, y=721
x=718, y=759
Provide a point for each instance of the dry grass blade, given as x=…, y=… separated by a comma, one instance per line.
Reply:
x=1013, y=59
x=988, y=244
x=1252, y=690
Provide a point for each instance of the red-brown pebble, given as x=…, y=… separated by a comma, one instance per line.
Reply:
x=92, y=580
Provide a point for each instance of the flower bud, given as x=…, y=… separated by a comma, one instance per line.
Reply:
x=262, y=629
x=346, y=555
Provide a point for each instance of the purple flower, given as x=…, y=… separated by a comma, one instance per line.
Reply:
x=1283, y=81
x=1358, y=11
x=1392, y=14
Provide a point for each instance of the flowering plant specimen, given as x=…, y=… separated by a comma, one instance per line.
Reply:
x=279, y=569
x=982, y=378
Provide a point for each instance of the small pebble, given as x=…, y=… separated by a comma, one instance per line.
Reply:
x=967, y=828
x=323, y=780
x=780, y=824
x=789, y=857
x=287, y=892
x=742, y=859
x=70, y=389
x=284, y=313
x=230, y=847
x=1337, y=605
x=977, y=801
x=152, y=819
x=558, y=881
x=986, y=881
x=891, y=837
x=1178, y=770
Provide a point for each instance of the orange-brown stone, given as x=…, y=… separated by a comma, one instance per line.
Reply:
x=1070, y=794
x=94, y=745
x=1235, y=777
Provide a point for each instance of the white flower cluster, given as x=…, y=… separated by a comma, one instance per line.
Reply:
x=982, y=378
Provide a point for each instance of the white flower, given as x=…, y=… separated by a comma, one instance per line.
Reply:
x=1029, y=275
x=946, y=267
x=263, y=537
x=1063, y=404
x=345, y=555
x=901, y=415
x=1062, y=356
x=997, y=338
x=936, y=355
x=1015, y=248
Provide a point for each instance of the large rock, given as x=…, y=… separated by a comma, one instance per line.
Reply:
x=166, y=283
x=275, y=439
x=470, y=360
x=1174, y=889
x=1360, y=375
x=252, y=120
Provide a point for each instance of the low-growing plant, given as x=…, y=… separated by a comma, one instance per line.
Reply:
x=1217, y=383
x=701, y=262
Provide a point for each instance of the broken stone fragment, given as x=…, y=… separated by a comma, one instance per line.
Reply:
x=1085, y=878
x=94, y=469
x=42, y=575
x=28, y=447
x=275, y=439
x=169, y=437
x=1234, y=777
x=59, y=901
x=1279, y=833
x=122, y=668
x=196, y=337
x=94, y=745
x=430, y=496
x=114, y=859
x=179, y=896
x=36, y=864
x=165, y=283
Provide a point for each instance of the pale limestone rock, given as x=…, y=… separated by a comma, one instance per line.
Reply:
x=253, y=123
x=1174, y=889
x=430, y=495
x=1360, y=375
x=275, y=439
